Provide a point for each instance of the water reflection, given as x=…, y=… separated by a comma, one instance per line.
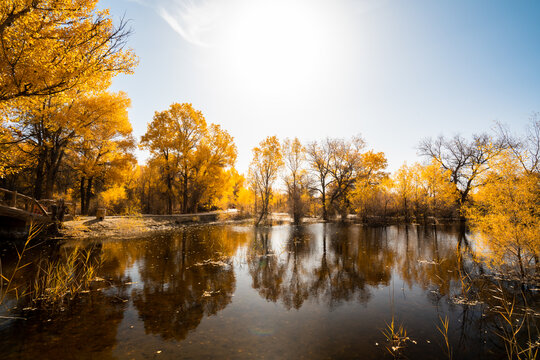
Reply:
x=189, y=276
x=208, y=284
x=334, y=263
x=86, y=329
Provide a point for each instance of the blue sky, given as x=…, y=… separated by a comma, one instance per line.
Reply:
x=393, y=71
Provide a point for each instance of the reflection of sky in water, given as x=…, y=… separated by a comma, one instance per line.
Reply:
x=317, y=291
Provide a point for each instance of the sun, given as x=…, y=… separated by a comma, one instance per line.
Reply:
x=276, y=48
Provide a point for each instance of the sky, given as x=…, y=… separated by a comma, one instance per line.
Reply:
x=394, y=72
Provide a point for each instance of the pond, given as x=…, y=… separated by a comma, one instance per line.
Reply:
x=316, y=291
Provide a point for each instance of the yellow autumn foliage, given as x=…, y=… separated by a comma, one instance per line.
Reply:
x=113, y=196
x=506, y=214
x=195, y=157
x=50, y=46
x=263, y=172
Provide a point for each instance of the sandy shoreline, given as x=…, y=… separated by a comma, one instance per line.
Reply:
x=86, y=227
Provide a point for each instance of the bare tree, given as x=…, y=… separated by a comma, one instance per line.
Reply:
x=526, y=149
x=466, y=160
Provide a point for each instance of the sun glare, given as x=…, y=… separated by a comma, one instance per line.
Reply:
x=276, y=47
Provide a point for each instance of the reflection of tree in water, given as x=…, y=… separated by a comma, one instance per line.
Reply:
x=283, y=276
x=186, y=276
x=84, y=327
x=431, y=258
x=295, y=288
x=265, y=268
x=87, y=329
x=353, y=259
x=439, y=260
x=349, y=260
x=333, y=263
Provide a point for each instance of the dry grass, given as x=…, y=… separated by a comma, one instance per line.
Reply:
x=396, y=337
x=61, y=280
x=443, y=329
x=8, y=287
x=55, y=281
x=130, y=223
x=513, y=325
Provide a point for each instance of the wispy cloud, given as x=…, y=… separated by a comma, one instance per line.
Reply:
x=193, y=20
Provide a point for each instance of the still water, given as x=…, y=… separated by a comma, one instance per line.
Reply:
x=232, y=291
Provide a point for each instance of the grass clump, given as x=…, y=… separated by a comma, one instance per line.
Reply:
x=54, y=281
x=7, y=281
x=63, y=279
x=396, y=337
x=517, y=328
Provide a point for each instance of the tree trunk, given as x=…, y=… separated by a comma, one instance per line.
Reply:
x=49, y=184
x=38, y=182
x=185, y=195
x=323, y=200
x=255, y=204
x=169, y=194
x=169, y=184
x=88, y=195
x=83, y=202
x=52, y=172
x=148, y=199
x=461, y=202
x=521, y=269
x=406, y=209
x=40, y=174
x=296, y=211
x=264, y=209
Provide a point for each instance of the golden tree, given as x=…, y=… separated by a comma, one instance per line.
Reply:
x=424, y=190
x=344, y=172
x=190, y=129
x=506, y=214
x=296, y=179
x=210, y=171
x=50, y=46
x=319, y=157
x=440, y=194
x=402, y=180
x=47, y=127
x=195, y=155
x=369, y=187
x=506, y=211
x=160, y=139
x=103, y=151
x=345, y=164
x=263, y=172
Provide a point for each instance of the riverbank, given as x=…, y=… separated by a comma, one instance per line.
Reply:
x=84, y=227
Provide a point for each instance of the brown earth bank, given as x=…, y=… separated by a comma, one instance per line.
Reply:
x=135, y=225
